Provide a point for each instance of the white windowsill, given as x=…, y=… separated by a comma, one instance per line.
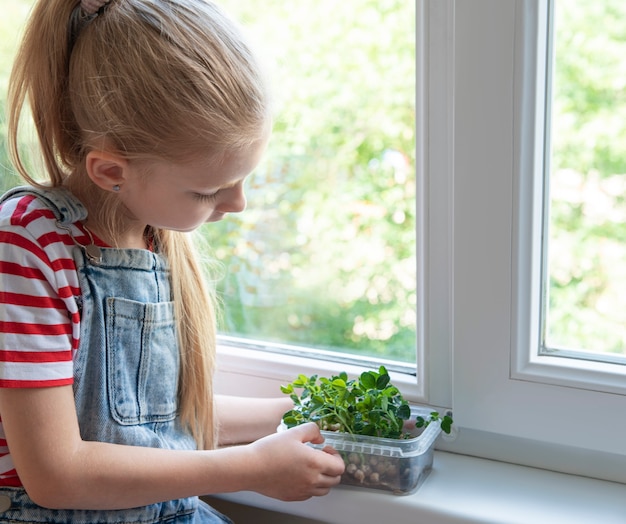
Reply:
x=245, y=371
x=463, y=489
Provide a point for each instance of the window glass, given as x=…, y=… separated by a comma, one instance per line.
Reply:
x=586, y=308
x=13, y=16
x=324, y=256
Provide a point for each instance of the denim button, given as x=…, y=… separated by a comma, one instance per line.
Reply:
x=5, y=503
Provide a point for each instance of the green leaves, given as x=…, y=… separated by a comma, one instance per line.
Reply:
x=369, y=405
x=446, y=421
x=446, y=424
x=368, y=379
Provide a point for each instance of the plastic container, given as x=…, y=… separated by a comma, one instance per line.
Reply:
x=396, y=465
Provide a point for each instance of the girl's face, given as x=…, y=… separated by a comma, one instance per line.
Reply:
x=182, y=197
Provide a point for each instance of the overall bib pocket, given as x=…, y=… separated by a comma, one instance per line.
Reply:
x=142, y=361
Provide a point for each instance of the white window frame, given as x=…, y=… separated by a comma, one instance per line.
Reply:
x=480, y=146
x=515, y=405
x=429, y=382
x=574, y=369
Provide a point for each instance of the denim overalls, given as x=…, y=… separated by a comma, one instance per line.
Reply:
x=125, y=370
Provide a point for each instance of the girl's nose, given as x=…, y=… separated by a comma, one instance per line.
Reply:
x=233, y=200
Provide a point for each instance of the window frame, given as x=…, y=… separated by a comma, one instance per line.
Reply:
x=429, y=380
x=532, y=360
x=514, y=406
x=477, y=233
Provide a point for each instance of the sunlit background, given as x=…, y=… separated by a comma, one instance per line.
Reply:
x=587, y=241
x=325, y=254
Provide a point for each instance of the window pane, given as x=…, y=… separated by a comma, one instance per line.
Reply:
x=587, y=225
x=12, y=18
x=324, y=256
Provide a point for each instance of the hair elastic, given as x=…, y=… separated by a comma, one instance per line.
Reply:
x=92, y=7
x=82, y=14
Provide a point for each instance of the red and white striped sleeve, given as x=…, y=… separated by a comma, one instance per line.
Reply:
x=39, y=317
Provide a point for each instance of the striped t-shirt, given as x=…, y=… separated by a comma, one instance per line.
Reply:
x=39, y=315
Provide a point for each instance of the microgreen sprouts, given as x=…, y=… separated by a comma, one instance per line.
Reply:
x=368, y=405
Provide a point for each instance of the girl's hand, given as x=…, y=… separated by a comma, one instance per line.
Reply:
x=291, y=470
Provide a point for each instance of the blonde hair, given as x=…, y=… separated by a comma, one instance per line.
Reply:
x=150, y=79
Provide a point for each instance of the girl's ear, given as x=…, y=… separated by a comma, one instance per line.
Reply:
x=106, y=170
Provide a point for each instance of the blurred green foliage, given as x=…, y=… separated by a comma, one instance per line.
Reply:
x=587, y=255
x=12, y=15
x=325, y=254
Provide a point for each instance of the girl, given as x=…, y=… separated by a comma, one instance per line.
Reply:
x=150, y=115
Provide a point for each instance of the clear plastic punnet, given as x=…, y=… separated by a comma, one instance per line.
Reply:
x=396, y=465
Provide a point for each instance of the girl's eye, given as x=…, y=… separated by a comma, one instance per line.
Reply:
x=206, y=198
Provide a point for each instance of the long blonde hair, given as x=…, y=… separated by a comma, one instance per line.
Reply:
x=152, y=79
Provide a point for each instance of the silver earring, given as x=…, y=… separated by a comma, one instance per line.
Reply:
x=116, y=188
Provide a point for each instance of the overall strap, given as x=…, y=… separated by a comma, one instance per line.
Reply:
x=65, y=206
